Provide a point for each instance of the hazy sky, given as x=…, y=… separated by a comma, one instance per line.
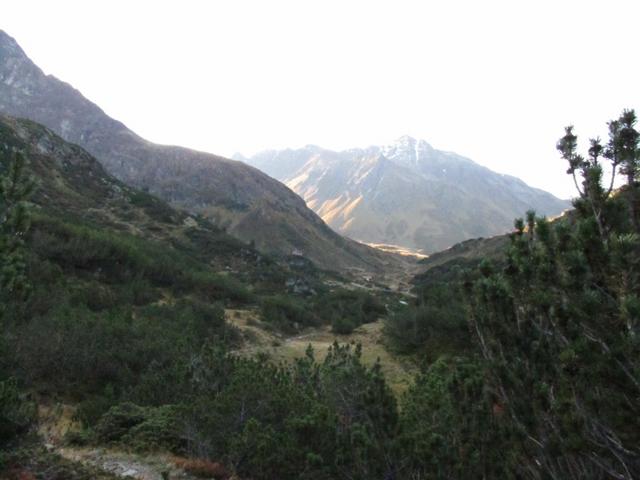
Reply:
x=492, y=80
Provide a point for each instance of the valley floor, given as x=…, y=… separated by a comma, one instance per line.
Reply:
x=398, y=371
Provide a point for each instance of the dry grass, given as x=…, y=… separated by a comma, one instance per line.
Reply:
x=55, y=420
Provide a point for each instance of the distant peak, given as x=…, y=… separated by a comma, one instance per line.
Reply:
x=407, y=150
x=409, y=141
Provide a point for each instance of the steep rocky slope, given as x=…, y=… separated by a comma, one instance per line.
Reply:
x=248, y=203
x=407, y=194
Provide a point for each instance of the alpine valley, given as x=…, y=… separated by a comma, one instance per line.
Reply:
x=172, y=314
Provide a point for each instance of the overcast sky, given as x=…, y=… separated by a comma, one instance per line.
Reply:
x=492, y=80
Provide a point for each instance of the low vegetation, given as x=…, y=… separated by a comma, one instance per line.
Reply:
x=344, y=309
x=436, y=324
x=529, y=359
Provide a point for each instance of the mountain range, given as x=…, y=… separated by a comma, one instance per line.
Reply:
x=247, y=203
x=407, y=194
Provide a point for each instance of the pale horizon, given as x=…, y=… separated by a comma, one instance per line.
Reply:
x=492, y=81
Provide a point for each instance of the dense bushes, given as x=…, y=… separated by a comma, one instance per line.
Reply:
x=80, y=352
x=154, y=207
x=451, y=425
x=343, y=309
x=436, y=324
x=114, y=323
x=308, y=419
x=555, y=394
x=118, y=259
x=288, y=314
x=113, y=257
x=558, y=326
x=111, y=316
x=303, y=420
x=16, y=413
x=348, y=309
x=216, y=287
x=101, y=357
x=139, y=428
x=15, y=188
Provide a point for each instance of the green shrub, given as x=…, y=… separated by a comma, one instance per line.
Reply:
x=153, y=206
x=160, y=430
x=91, y=408
x=436, y=326
x=79, y=438
x=343, y=326
x=214, y=287
x=302, y=420
x=140, y=428
x=346, y=310
x=72, y=350
x=16, y=413
x=139, y=291
x=118, y=421
x=117, y=258
x=94, y=295
x=286, y=313
x=450, y=428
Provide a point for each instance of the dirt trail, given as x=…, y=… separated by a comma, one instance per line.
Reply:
x=125, y=465
x=55, y=420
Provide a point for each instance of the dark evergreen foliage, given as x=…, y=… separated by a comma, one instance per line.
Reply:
x=559, y=326
x=531, y=361
x=15, y=187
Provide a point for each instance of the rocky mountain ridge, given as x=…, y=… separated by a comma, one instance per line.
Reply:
x=407, y=193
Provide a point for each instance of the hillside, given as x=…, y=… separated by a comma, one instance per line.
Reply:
x=241, y=199
x=76, y=197
x=472, y=250
x=407, y=194
x=126, y=295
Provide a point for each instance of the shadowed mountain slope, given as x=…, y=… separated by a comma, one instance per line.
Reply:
x=73, y=188
x=249, y=204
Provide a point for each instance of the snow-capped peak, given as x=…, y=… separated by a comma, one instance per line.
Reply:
x=407, y=150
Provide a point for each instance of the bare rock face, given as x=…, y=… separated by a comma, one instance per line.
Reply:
x=248, y=203
x=407, y=194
